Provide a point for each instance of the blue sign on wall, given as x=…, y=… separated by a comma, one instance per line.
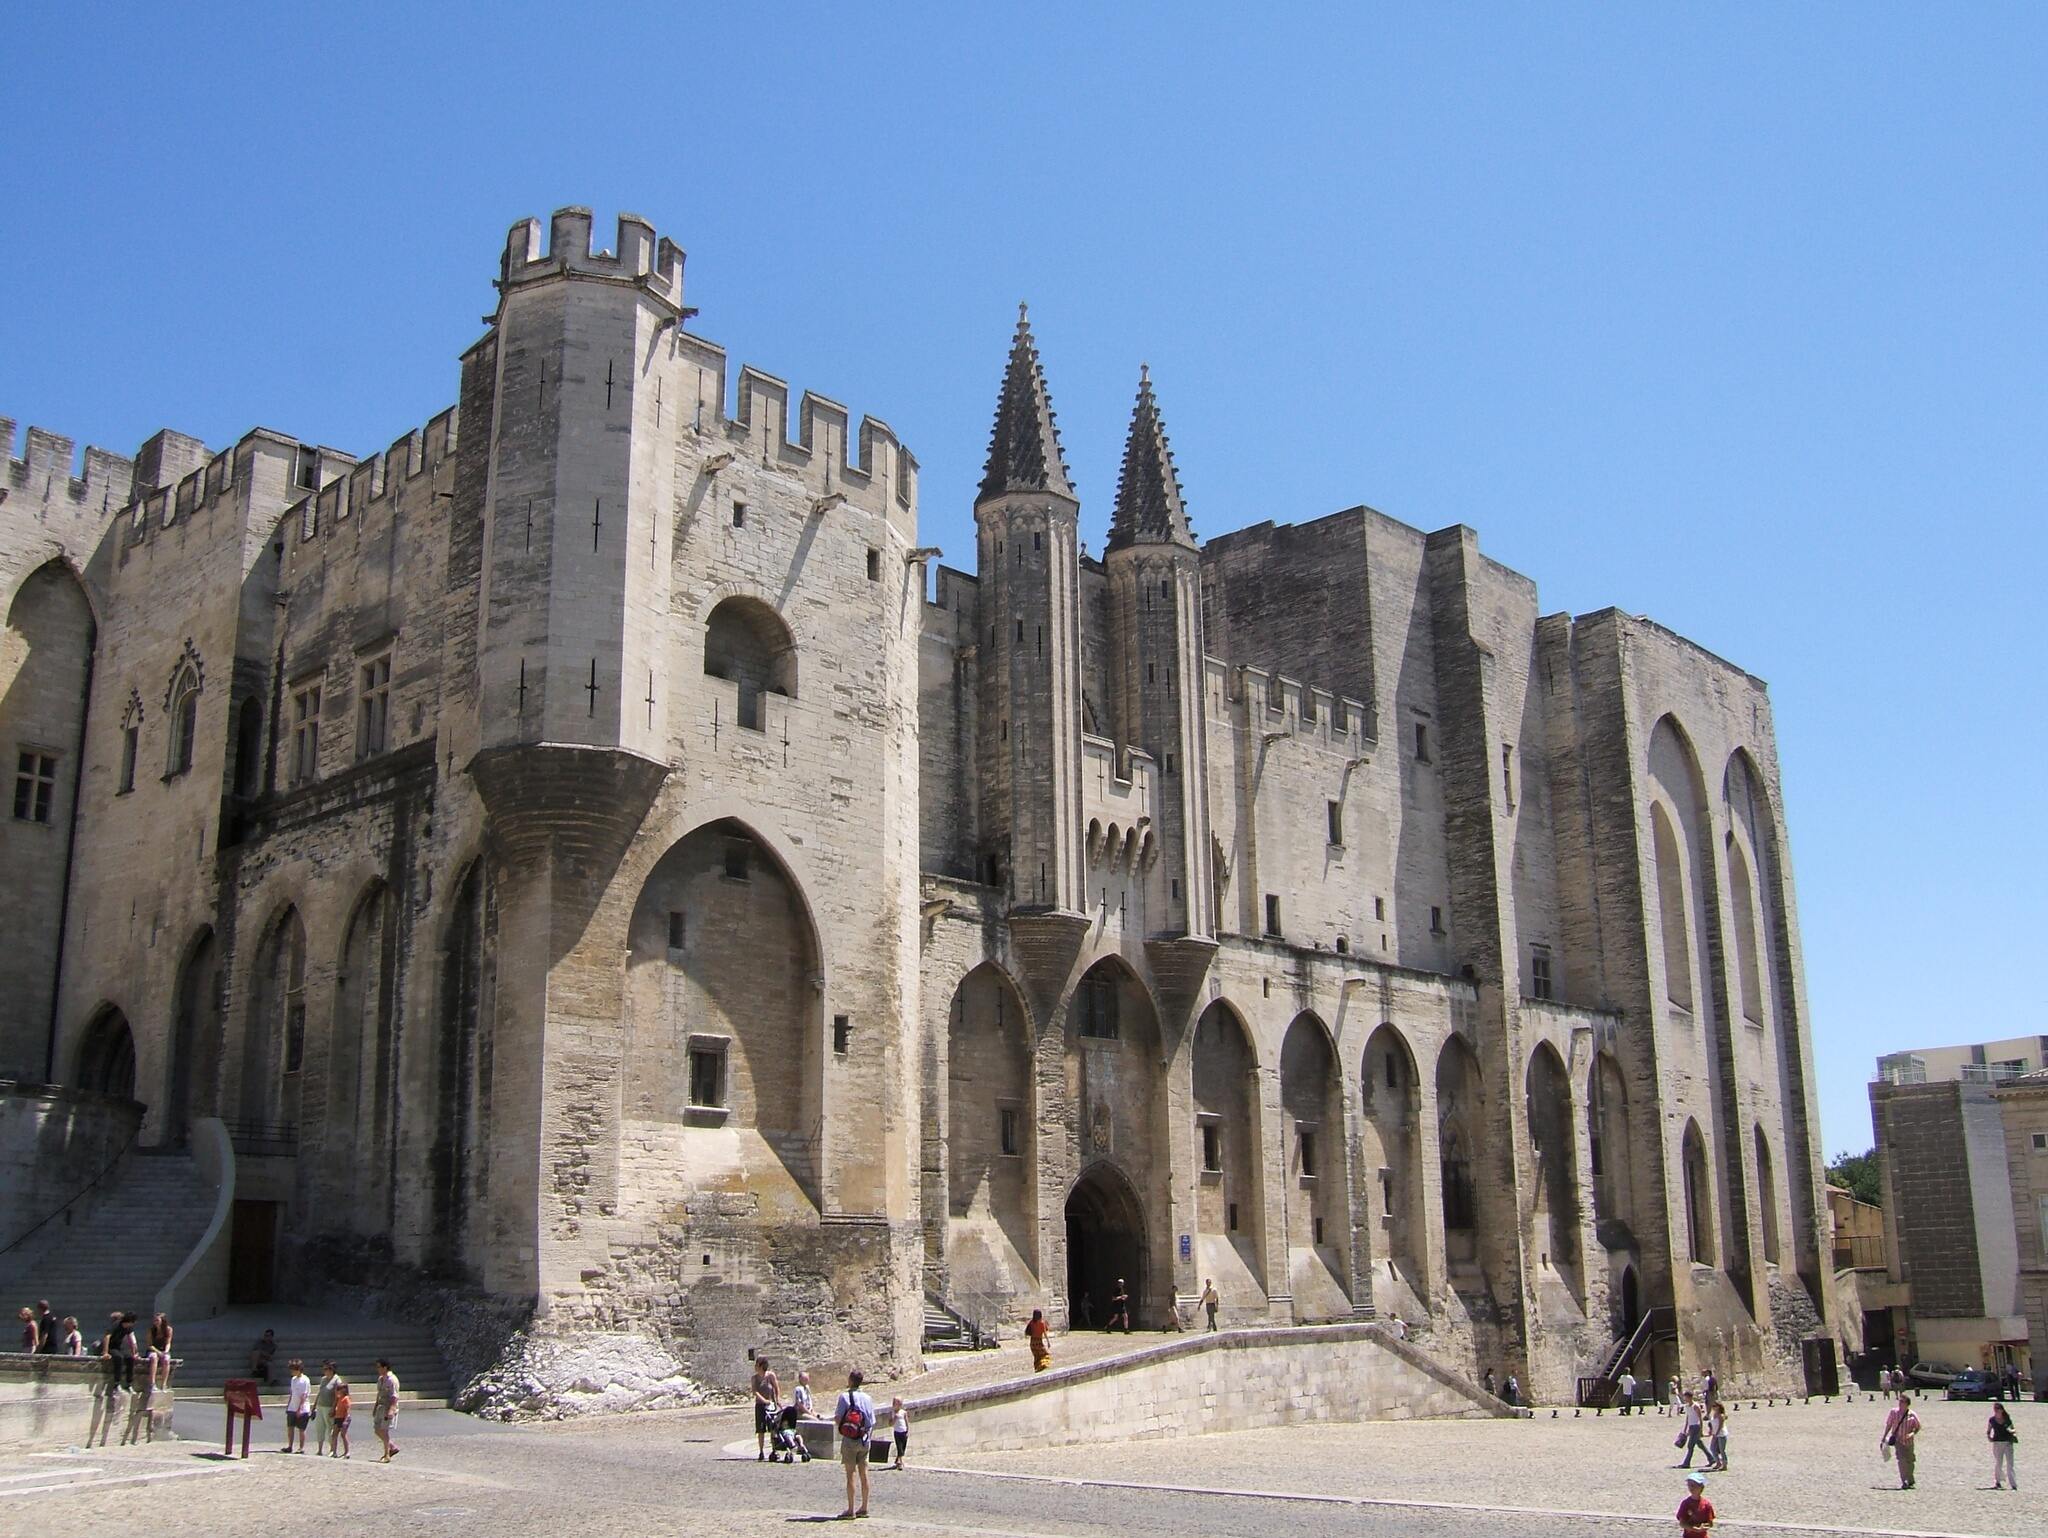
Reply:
x=1187, y=1247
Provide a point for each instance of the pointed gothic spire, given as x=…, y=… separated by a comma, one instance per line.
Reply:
x=1149, y=509
x=1024, y=450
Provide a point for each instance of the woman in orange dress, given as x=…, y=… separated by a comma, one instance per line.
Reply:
x=1036, y=1332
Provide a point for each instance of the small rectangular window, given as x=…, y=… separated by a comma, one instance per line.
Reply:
x=1379, y=908
x=1230, y=1216
x=1334, y=810
x=707, y=1076
x=738, y=859
x=2041, y=1142
x=1174, y=888
x=749, y=707
x=1098, y=1002
x=1212, y=1148
x=1436, y=921
x=1507, y=773
x=1422, y=742
x=1343, y=945
x=1165, y=587
x=1306, y=1142
x=131, y=741
x=1273, y=913
x=739, y=515
x=842, y=1034
x=35, y=785
x=306, y=469
x=1393, y=1071
x=306, y=734
x=1006, y=1131
x=1319, y=1230
x=678, y=929
x=373, y=706
x=1539, y=971
x=1169, y=763
x=1035, y=540
x=874, y=566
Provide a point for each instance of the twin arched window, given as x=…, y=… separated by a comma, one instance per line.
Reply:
x=184, y=714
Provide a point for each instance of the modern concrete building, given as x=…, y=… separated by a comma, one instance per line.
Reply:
x=593, y=869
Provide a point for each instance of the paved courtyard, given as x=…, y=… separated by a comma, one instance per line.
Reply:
x=1807, y=1468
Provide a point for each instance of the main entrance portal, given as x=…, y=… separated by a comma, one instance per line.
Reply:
x=1105, y=1243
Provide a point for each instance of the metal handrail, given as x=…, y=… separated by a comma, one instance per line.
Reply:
x=89, y=1186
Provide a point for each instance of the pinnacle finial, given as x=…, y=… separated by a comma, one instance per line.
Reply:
x=1149, y=509
x=1023, y=312
x=1024, y=450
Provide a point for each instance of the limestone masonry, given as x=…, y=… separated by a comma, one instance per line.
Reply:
x=605, y=882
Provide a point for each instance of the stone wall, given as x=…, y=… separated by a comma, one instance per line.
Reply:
x=53, y=1144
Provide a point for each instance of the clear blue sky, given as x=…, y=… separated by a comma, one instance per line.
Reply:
x=1730, y=315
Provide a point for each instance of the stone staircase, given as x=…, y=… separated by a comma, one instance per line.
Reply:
x=213, y=1350
x=945, y=1330
x=118, y=1250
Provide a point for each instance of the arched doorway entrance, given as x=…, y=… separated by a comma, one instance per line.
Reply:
x=106, y=1058
x=1631, y=1302
x=1105, y=1243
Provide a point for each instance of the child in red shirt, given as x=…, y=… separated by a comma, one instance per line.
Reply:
x=1695, y=1512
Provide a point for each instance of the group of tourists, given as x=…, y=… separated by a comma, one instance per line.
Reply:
x=329, y=1409
x=1899, y=1443
x=132, y=1388
x=778, y=1428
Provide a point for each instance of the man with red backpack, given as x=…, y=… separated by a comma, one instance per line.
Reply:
x=854, y=1415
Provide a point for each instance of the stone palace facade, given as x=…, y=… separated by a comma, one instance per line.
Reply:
x=590, y=859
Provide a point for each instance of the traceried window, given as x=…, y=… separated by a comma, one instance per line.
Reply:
x=1098, y=1006
x=35, y=785
x=306, y=734
x=373, y=705
x=184, y=721
x=131, y=745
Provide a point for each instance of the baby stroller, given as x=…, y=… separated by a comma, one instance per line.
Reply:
x=786, y=1442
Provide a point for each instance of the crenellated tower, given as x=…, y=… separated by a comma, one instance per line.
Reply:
x=580, y=498
x=1026, y=517
x=1155, y=588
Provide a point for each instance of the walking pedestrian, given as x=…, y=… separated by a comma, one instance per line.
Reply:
x=767, y=1405
x=1900, y=1439
x=1690, y=1434
x=1513, y=1392
x=1037, y=1333
x=343, y=1405
x=1120, y=1307
x=1673, y=1397
x=1627, y=1386
x=854, y=1415
x=1884, y=1381
x=1488, y=1381
x=298, y=1407
x=2003, y=1441
x=31, y=1336
x=46, y=1328
x=1211, y=1301
x=1717, y=1437
x=899, y=1424
x=384, y=1410
x=323, y=1408
x=1695, y=1512
x=70, y=1342
x=1084, y=1311
x=1708, y=1385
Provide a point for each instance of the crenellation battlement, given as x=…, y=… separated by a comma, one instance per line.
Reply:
x=861, y=461
x=1285, y=704
x=44, y=473
x=639, y=256
x=369, y=487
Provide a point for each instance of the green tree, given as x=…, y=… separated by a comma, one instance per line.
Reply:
x=1857, y=1174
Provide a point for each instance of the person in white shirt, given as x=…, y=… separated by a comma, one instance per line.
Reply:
x=1628, y=1392
x=298, y=1408
x=899, y=1423
x=854, y=1415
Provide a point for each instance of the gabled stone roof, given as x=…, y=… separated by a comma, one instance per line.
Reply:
x=1024, y=450
x=1149, y=509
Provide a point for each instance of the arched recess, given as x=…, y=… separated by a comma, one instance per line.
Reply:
x=1390, y=1145
x=1553, y=1146
x=182, y=711
x=274, y=1031
x=1750, y=812
x=1608, y=1135
x=1699, y=1211
x=1460, y=1116
x=195, y=1038
x=45, y=661
x=1116, y=1087
x=1766, y=1194
x=1107, y=1245
x=106, y=1055
x=724, y=1025
x=1318, y=1183
x=1672, y=909
x=747, y=643
x=992, y=1143
x=361, y=1127
x=458, y=1160
x=1742, y=897
x=1229, y=1216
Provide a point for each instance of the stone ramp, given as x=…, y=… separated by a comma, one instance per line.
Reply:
x=1232, y=1380
x=118, y=1251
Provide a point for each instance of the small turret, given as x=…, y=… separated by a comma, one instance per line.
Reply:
x=1149, y=509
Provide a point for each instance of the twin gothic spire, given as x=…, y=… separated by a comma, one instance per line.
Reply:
x=1024, y=453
